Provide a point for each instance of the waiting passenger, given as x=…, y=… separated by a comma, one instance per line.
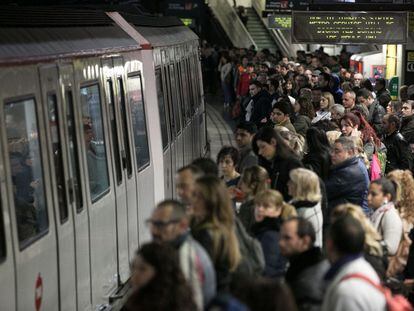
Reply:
x=253, y=181
x=207, y=166
x=268, y=211
x=307, y=266
x=306, y=198
x=326, y=103
x=280, y=114
x=184, y=182
x=381, y=196
x=245, y=132
x=227, y=159
x=169, y=223
x=259, y=107
x=214, y=228
x=345, y=244
x=318, y=158
x=348, y=178
x=304, y=113
x=157, y=281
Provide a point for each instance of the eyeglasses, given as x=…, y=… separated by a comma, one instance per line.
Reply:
x=160, y=223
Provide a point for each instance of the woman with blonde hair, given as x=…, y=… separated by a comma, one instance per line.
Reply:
x=373, y=252
x=214, y=228
x=327, y=101
x=304, y=187
x=268, y=211
x=405, y=207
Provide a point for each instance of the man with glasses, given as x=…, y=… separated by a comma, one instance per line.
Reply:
x=244, y=134
x=169, y=223
x=348, y=177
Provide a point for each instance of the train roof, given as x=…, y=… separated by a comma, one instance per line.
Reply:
x=32, y=34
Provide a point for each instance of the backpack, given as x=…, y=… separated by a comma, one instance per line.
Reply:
x=252, y=262
x=394, y=303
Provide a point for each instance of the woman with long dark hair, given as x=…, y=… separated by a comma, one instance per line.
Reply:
x=157, y=281
x=317, y=158
x=277, y=157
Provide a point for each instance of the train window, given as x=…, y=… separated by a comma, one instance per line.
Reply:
x=175, y=99
x=26, y=170
x=161, y=110
x=182, y=93
x=184, y=79
x=121, y=92
x=94, y=141
x=190, y=87
x=114, y=126
x=73, y=152
x=57, y=156
x=139, y=124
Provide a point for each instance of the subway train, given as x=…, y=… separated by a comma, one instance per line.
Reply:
x=98, y=110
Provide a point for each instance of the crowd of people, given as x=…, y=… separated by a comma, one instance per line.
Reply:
x=313, y=209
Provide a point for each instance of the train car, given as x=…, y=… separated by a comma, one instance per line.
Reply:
x=98, y=109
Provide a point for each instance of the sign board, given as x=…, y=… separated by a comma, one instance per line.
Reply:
x=287, y=5
x=280, y=21
x=410, y=61
x=409, y=67
x=393, y=86
x=411, y=21
x=349, y=27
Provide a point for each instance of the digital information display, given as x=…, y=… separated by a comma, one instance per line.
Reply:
x=280, y=21
x=349, y=27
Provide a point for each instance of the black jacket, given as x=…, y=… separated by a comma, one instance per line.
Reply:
x=305, y=277
x=398, y=152
x=279, y=173
x=267, y=232
x=319, y=163
x=407, y=128
x=375, y=116
x=262, y=106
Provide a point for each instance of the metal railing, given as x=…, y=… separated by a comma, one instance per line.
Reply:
x=231, y=23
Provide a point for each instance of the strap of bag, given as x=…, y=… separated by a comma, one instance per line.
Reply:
x=366, y=279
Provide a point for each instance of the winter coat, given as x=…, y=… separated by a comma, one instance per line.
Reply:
x=262, y=106
x=288, y=125
x=279, y=173
x=246, y=215
x=247, y=159
x=398, y=153
x=321, y=115
x=353, y=294
x=336, y=91
x=388, y=223
x=375, y=116
x=407, y=128
x=301, y=124
x=312, y=212
x=305, y=275
x=348, y=183
x=204, y=235
x=319, y=163
x=268, y=234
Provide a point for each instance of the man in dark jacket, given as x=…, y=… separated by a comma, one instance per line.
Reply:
x=260, y=105
x=307, y=266
x=380, y=87
x=407, y=122
x=348, y=178
x=244, y=136
x=398, y=150
x=376, y=111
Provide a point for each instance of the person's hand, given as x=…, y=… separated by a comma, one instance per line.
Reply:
x=264, y=120
x=236, y=193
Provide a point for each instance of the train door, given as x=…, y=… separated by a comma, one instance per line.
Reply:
x=172, y=127
x=27, y=173
x=177, y=116
x=165, y=133
x=76, y=188
x=99, y=192
x=54, y=118
x=7, y=271
x=119, y=166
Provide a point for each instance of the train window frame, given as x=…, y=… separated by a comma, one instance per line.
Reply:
x=3, y=245
x=65, y=218
x=130, y=77
x=168, y=97
x=103, y=193
x=125, y=129
x=162, y=114
x=25, y=243
x=175, y=101
x=114, y=132
x=70, y=107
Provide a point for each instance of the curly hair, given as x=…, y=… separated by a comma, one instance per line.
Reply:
x=168, y=289
x=405, y=195
x=367, y=132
